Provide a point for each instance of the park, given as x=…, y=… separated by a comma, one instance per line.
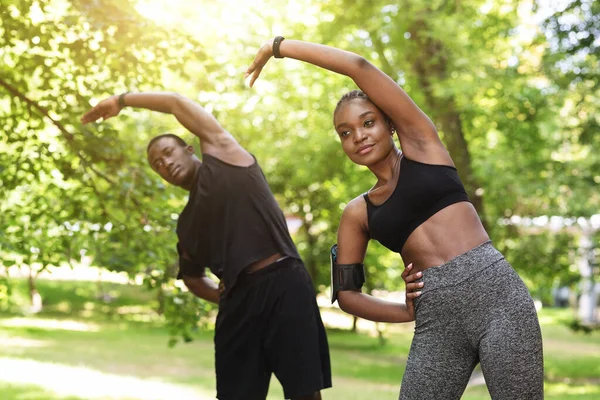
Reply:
x=90, y=303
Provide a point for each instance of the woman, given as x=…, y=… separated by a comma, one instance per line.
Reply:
x=473, y=307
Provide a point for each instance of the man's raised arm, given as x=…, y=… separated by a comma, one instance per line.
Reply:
x=213, y=137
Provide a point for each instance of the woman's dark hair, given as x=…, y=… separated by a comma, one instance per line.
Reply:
x=358, y=94
x=179, y=140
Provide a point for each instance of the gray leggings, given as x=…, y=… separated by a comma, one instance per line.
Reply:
x=474, y=309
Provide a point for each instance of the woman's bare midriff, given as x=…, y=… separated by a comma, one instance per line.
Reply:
x=449, y=233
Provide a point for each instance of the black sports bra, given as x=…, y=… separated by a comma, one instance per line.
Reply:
x=421, y=191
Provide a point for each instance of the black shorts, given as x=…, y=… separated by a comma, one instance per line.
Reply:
x=270, y=323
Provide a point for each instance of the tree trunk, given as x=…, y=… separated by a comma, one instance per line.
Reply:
x=309, y=259
x=171, y=272
x=354, y=323
x=34, y=295
x=429, y=66
x=160, y=297
x=380, y=334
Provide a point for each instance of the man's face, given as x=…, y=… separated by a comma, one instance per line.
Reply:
x=173, y=162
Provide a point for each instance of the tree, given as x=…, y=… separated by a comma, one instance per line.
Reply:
x=62, y=184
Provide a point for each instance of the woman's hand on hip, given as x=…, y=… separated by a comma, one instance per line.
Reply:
x=413, y=289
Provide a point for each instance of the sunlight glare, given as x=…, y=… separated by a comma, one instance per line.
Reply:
x=233, y=19
x=571, y=390
x=50, y=324
x=90, y=384
x=19, y=342
x=193, y=15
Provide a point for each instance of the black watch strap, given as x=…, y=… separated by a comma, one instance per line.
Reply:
x=276, y=43
x=122, y=100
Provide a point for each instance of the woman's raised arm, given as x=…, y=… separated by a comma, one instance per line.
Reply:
x=415, y=129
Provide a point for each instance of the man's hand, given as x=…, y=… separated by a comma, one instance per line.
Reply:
x=203, y=287
x=413, y=289
x=106, y=109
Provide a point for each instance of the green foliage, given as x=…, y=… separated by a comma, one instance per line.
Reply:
x=183, y=312
x=65, y=186
x=69, y=191
x=86, y=300
x=571, y=63
x=516, y=104
x=5, y=293
x=180, y=309
x=576, y=326
x=544, y=260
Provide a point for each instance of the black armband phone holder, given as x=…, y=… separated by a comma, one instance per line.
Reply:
x=344, y=276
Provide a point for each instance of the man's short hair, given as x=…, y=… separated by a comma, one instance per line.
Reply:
x=179, y=140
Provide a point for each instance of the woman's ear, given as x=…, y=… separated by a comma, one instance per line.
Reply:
x=392, y=129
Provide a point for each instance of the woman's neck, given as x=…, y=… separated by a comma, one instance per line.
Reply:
x=386, y=169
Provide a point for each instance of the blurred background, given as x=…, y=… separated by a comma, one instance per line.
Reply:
x=89, y=308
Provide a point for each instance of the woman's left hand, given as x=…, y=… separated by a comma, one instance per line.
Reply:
x=262, y=57
x=413, y=289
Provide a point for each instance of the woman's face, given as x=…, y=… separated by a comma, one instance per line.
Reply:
x=364, y=132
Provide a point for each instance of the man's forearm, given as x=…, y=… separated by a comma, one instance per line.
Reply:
x=190, y=114
x=161, y=102
x=204, y=287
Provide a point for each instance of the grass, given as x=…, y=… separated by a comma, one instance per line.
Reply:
x=26, y=392
x=81, y=348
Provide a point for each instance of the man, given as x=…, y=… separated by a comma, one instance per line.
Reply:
x=268, y=320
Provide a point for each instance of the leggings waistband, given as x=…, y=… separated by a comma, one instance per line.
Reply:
x=461, y=267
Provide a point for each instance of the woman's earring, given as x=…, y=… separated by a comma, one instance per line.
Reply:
x=393, y=130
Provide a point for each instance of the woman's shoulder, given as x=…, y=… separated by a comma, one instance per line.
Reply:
x=354, y=219
x=356, y=209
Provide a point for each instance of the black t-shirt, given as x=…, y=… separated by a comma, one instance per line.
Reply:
x=230, y=221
